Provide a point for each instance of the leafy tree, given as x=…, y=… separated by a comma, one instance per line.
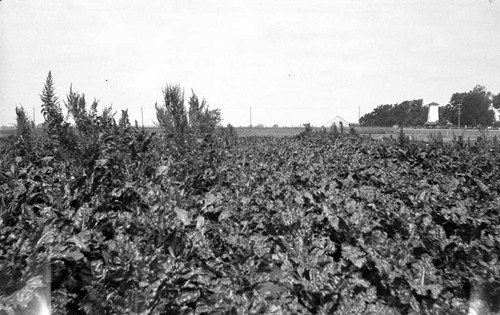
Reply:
x=474, y=107
x=380, y=116
x=448, y=113
x=407, y=113
x=411, y=113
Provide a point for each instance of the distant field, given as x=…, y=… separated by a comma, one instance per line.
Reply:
x=376, y=132
x=293, y=131
x=373, y=132
x=277, y=132
x=425, y=134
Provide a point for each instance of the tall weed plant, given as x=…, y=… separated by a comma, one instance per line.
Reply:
x=192, y=126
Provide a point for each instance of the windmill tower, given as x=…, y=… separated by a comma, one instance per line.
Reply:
x=433, y=115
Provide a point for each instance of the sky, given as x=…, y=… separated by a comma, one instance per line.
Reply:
x=288, y=62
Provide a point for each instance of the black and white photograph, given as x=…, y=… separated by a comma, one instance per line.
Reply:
x=250, y=157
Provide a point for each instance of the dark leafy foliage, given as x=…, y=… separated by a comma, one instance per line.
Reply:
x=318, y=224
x=407, y=113
x=474, y=108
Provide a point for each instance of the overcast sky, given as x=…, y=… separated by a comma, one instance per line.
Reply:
x=292, y=61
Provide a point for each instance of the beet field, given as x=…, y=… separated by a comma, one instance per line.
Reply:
x=136, y=223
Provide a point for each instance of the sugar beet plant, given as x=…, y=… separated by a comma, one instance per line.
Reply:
x=311, y=225
x=104, y=157
x=318, y=224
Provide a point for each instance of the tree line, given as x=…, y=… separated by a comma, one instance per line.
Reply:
x=474, y=108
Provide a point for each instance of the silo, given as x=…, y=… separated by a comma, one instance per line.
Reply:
x=433, y=114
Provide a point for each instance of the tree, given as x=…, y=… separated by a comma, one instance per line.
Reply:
x=380, y=116
x=474, y=109
x=448, y=113
x=410, y=113
x=407, y=113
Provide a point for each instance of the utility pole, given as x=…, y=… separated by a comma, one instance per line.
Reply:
x=34, y=123
x=459, y=107
x=359, y=113
x=142, y=119
x=250, y=116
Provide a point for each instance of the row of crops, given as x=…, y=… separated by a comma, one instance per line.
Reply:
x=314, y=224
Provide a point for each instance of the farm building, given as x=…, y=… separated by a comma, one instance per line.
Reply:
x=337, y=120
x=432, y=115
